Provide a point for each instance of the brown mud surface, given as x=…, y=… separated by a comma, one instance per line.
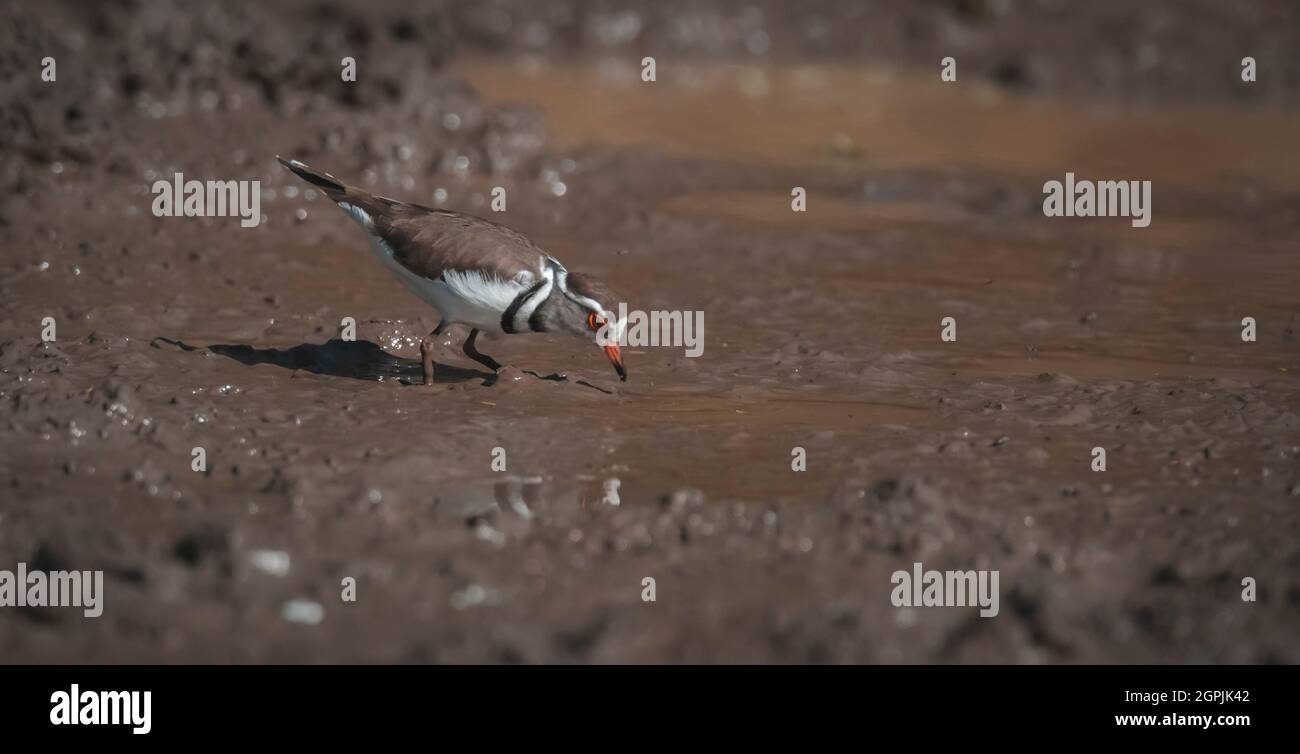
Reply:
x=326, y=459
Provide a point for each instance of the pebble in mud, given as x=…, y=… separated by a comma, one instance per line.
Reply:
x=276, y=416
x=303, y=611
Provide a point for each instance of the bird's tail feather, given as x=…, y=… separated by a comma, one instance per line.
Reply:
x=333, y=187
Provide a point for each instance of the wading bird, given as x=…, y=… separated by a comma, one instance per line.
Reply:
x=475, y=272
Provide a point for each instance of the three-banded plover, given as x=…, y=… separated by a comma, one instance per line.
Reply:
x=475, y=272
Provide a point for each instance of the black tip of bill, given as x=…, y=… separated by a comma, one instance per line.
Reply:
x=622, y=373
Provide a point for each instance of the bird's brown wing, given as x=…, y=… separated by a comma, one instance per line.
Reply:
x=428, y=241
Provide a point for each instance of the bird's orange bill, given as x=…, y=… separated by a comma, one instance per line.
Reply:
x=616, y=358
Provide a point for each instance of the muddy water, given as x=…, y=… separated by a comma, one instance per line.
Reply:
x=822, y=332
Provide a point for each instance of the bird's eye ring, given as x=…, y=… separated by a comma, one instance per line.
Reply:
x=594, y=322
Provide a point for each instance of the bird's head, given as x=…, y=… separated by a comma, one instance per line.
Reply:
x=590, y=310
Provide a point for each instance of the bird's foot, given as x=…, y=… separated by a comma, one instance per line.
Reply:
x=506, y=375
x=471, y=351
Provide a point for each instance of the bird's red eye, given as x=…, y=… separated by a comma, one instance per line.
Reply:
x=594, y=322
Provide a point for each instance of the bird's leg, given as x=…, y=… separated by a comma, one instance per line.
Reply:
x=474, y=354
x=426, y=351
x=426, y=357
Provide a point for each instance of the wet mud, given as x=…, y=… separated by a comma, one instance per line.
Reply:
x=327, y=459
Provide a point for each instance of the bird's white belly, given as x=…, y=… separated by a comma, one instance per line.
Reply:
x=464, y=300
x=462, y=297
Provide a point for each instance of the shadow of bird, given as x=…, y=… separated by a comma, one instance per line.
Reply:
x=354, y=359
